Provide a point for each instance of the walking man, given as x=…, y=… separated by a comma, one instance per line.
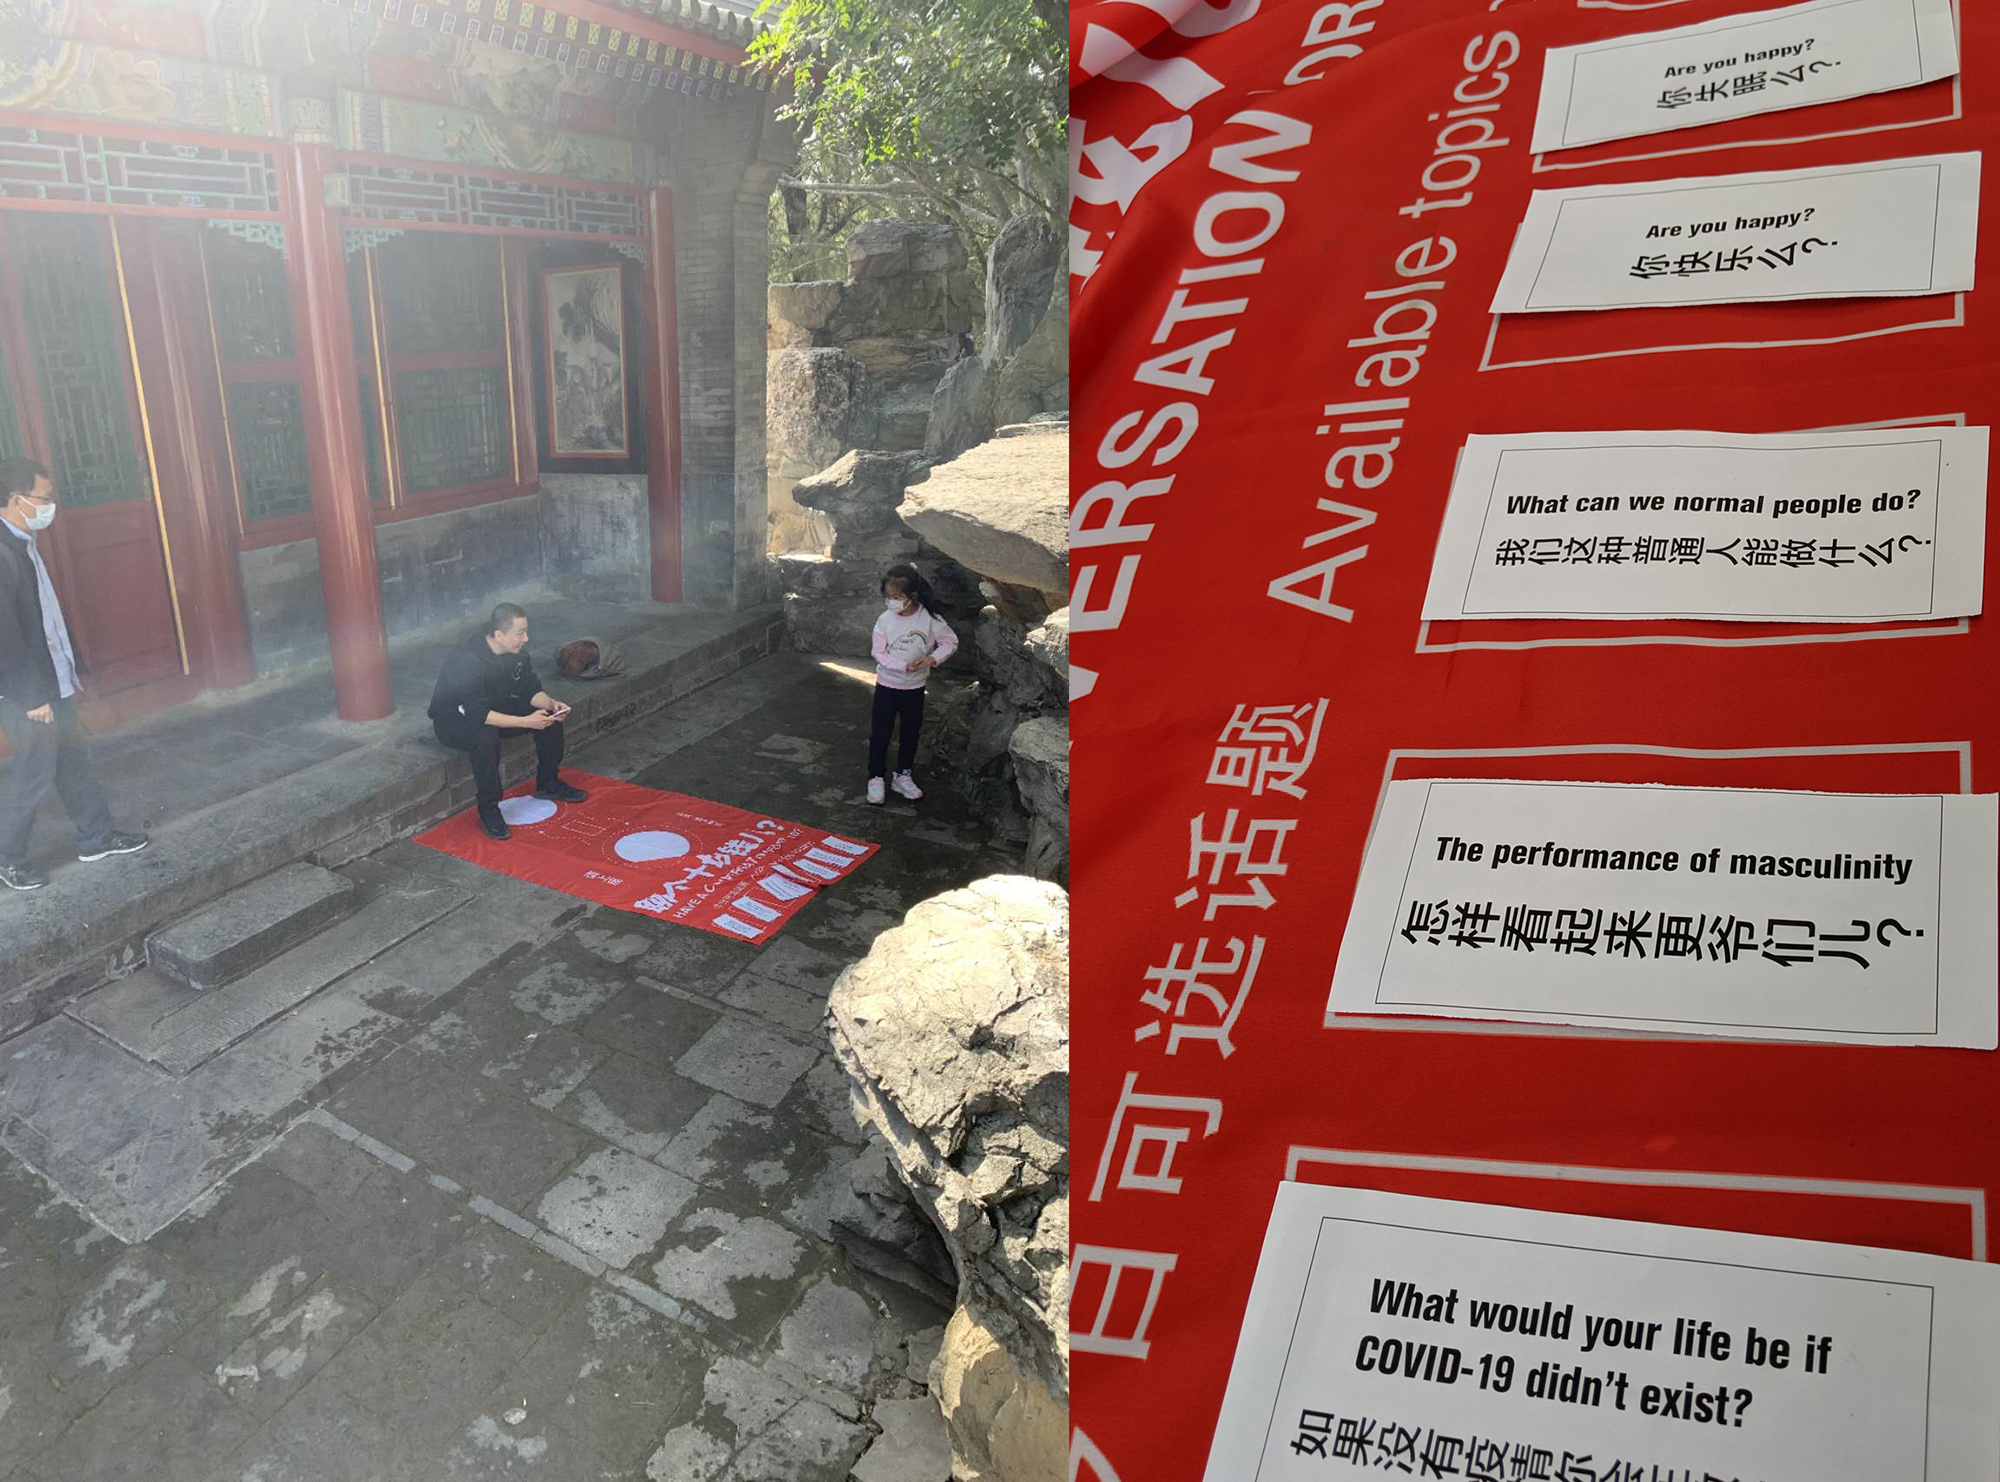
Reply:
x=38, y=682
x=487, y=690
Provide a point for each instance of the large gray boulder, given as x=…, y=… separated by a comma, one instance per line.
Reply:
x=897, y=360
x=798, y=311
x=880, y=1228
x=822, y=402
x=1035, y=380
x=961, y=415
x=903, y=277
x=1050, y=645
x=831, y=602
x=807, y=574
x=840, y=626
x=906, y=414
x=1002, y=510
x=867, y=554
x=953, y=1033
x=989, y=729
x=1021, y=280
x=921, y=305
x=807, y=305
x=890, y=249
x=855, y=364
x=1004, y=660
x=859, y=492
x=1040, y=749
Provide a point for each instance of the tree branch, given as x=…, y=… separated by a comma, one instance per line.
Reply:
x=835, y=188
x=995, y=196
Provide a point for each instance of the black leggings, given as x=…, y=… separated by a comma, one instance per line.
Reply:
x=891, y=706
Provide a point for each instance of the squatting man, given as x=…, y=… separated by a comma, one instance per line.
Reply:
x=488, y=690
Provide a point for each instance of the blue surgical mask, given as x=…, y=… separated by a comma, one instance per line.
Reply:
x=41, y=516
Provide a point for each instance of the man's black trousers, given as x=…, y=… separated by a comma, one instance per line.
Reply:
x=482, y=743
x=46, y=756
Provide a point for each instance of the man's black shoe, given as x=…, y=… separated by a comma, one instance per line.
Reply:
x=493, y=823
x=112, y=844
x=21, y=877
x=561, y=792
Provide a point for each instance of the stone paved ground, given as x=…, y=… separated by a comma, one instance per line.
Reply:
x=556, y=1207
x=236, y=783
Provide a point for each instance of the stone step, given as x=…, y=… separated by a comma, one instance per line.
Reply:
x=128, y=1012
x=204, y=1028
x=248, y=927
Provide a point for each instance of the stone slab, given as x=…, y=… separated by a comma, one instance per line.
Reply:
x=124, y=1140
x=128, y=1012
x=205, y=1028
x=248, y=927
x=913, y=1446
x=613, y=1370
x=1001, y=510
x=753, y=1424
x=753, y=1064
x=615, y=1206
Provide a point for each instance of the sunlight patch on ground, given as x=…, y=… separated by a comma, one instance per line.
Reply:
x=855, y=672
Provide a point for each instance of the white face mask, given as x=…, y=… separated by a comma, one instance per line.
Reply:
x=894, y=604
x=41, y=516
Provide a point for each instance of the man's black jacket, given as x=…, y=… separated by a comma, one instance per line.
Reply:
x=27, y=671
x=475, y=680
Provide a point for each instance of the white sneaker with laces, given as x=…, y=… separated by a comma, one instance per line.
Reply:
x=906, y=787
x=876, y=793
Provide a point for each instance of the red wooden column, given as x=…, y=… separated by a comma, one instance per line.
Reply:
x=348, y=573
x=170, y=332
x=660, y=369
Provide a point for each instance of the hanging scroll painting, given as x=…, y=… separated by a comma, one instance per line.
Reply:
x=584, y=325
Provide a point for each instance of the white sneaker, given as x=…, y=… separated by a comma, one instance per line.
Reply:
x=876, y=794
x=906, y=788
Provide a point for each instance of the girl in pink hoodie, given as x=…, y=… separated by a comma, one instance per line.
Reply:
x=910, y=641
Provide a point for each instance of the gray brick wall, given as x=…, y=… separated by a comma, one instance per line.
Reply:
x=723, y=168
x=437, y=569
x=595, y=536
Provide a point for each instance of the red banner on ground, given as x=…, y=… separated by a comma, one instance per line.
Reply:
x=659, y=854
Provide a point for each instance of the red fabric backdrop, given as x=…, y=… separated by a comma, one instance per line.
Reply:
x=1224, y=588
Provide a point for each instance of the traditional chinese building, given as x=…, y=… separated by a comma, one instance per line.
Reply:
x=335, y=319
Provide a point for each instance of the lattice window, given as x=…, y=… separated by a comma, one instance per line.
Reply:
x=439, y=303
x=440, y=294
x=453, y=427
x=267, y=428
x=358, y=302
x=59, y=165
x=444, y=197
x=250, y=306
x=10, y=419
x=77, y=343
x=371, y=436
x=249, y=298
